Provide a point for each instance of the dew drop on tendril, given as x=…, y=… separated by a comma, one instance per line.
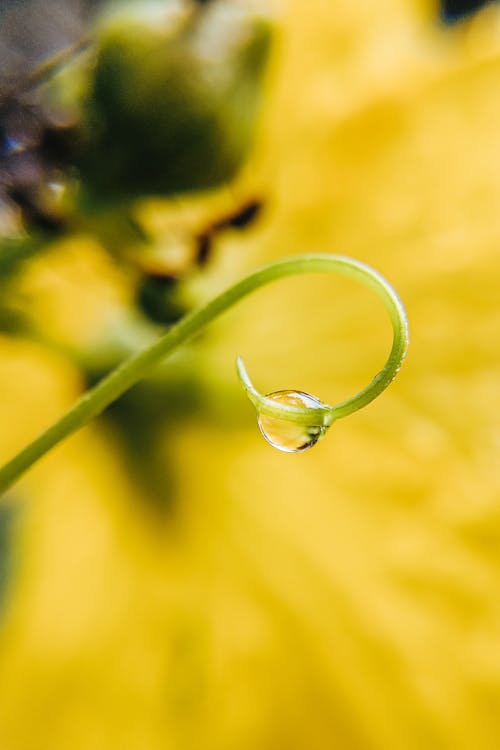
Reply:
x=285, y=434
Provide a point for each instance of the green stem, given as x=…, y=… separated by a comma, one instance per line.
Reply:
x=136, y=367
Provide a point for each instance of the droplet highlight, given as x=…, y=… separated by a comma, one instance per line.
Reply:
x=285, y=434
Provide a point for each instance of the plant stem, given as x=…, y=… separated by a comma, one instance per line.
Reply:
x=136, y=367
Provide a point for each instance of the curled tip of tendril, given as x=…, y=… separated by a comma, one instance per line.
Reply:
x=291, y=421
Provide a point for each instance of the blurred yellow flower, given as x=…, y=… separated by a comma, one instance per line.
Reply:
x=345, y=598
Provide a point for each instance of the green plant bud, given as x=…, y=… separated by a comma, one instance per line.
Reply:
x=174, y=97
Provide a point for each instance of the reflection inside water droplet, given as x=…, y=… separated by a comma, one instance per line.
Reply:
x=285, y=434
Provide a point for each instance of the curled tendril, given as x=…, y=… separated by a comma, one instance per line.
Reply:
x=94, y=401
x=285, y=408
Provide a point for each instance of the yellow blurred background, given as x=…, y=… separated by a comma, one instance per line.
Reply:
x=346, y=598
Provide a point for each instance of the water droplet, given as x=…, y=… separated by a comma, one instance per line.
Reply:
x=285, y=434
